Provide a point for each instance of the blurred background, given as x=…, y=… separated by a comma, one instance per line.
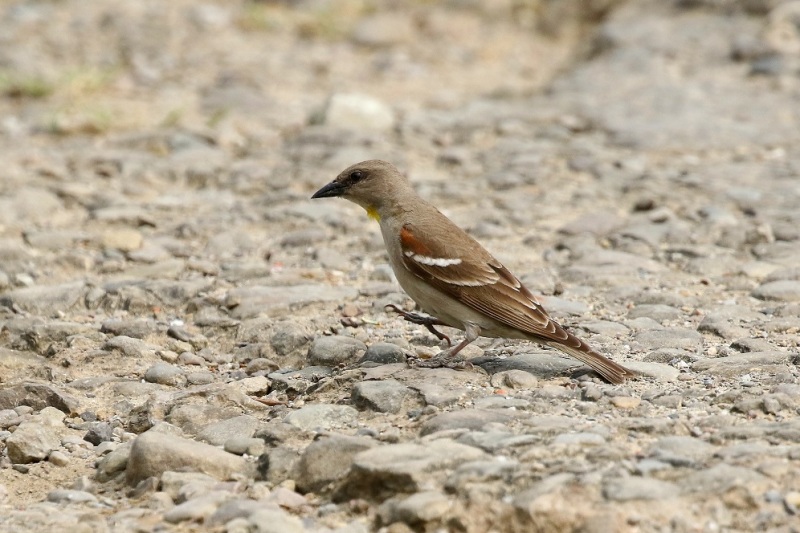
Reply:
x=140, y=107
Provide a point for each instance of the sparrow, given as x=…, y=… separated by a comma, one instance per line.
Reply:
x=449, y=274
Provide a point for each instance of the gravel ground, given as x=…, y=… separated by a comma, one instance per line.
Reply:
x=187, y=343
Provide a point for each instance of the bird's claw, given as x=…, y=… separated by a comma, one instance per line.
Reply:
x=422, y=320
x=443, y=360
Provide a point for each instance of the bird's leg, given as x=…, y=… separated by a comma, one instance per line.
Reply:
x=422, y=320
x=449, y=358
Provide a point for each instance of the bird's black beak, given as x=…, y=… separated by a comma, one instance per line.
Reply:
x=331, y=190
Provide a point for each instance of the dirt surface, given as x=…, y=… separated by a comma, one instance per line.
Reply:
x=189, y=343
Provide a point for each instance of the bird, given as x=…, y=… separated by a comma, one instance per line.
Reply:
x=450, y=276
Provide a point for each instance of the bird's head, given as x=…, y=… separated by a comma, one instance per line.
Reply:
x=371, y=184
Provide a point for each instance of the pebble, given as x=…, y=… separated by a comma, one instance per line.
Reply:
x=58, y=458
x=685, y=339
x=383, y=353
x=219, y=433
x=385, y=470
x=782, y=290
x=514, y=379
x=99, y=432
x=129, y=346
x=328, y=459
x=322, y=416
x=381, y=396
x=31, y=442
x=243, y=445
x=335, y=350
x=71, y=496
x=165, y=374
x=469, y=419
x=154, y=453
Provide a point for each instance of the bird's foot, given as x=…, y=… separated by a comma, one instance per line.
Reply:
x=422, y=320
x=443, y=360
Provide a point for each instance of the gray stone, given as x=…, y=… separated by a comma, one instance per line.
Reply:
x=382, y=396
x=514, y=379
x=37, y=397
x=738, y=364
x=384, y=471
x=31, y=442
x=165, y=374
x=192, y=417
x=322, y=416
x=335, y=350
x=288, y=338
x=473, y=419
x=383, y=353
x=244, y=445
x=543, y=365
x=70, y=496
x=154, y=453
x=685, y=339
x=114, y=462
x=58, y=458
x=45, y=300
x=328, y=459
x=99, y=432
x=135, y=328
x=440, y=387
x=639, y=488
x=220, y=432
x=201, y=377
x=276, y=465
x=661, y=372
x=130, y=347
x=783, y=291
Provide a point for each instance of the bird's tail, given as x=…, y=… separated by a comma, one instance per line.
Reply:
x=611, y=371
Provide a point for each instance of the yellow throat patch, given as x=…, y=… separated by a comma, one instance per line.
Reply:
x=373, y=214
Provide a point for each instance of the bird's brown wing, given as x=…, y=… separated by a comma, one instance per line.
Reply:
x=468, y=273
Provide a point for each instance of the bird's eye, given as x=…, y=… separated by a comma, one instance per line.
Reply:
x=357, y=176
